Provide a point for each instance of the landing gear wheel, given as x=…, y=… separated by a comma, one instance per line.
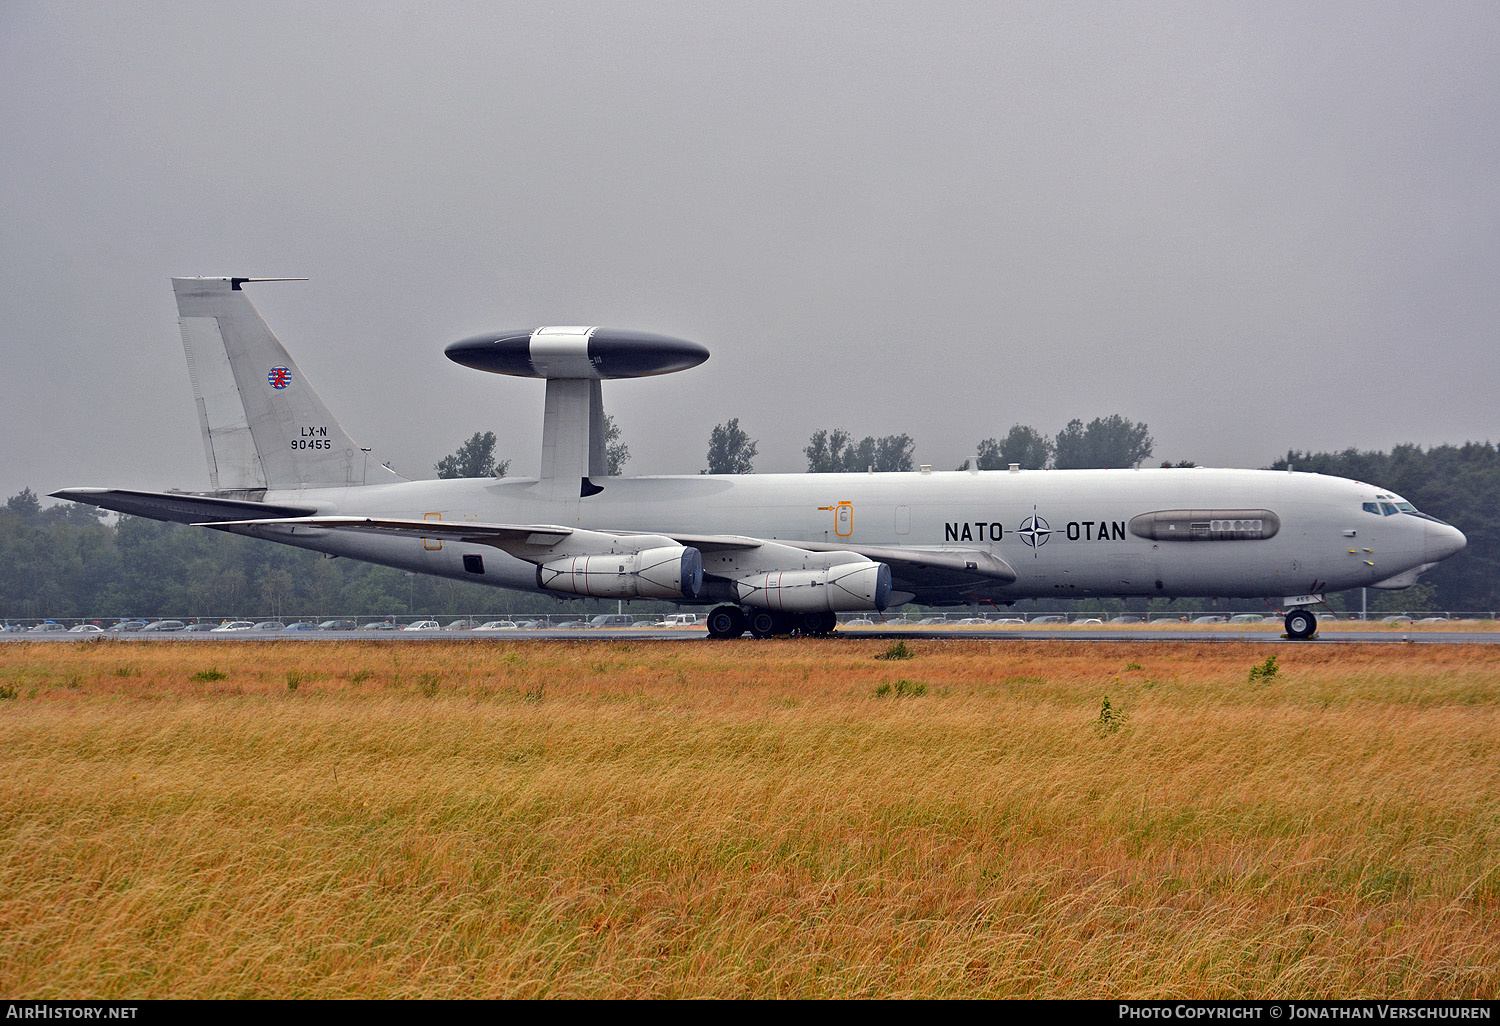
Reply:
x=816, y=625
x=726, y=622
x=1300, y=624
x=762, y=624
x=767, y=624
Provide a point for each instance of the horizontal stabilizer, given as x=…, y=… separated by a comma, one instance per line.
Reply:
x=181, y=507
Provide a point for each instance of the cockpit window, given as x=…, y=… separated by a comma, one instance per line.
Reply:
x=1389, y=509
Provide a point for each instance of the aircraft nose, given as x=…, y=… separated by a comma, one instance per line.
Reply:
x=1442, y=541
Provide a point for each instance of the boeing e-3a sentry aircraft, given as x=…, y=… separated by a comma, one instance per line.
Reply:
x=773, y=553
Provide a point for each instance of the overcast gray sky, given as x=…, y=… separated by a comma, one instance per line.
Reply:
x=1253, y=226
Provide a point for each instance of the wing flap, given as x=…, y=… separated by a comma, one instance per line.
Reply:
x=510, y=537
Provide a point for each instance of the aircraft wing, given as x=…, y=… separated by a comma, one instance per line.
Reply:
x=181, y=507
x=912, y=569
x=502, y=536
x=531, y=542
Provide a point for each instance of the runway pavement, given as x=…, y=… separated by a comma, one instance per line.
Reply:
x=1343, y=634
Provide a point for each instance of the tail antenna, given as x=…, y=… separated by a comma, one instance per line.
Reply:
x=235, y=283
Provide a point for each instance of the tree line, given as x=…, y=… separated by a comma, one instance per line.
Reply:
x=65, y=561
x=1456, y=483
x=1112, y=441
x=477, y=458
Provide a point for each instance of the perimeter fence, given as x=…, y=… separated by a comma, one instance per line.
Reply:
x=367, y=626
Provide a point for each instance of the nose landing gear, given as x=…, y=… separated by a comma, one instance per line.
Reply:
x=1301, y=624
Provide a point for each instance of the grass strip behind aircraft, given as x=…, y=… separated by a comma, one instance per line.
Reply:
x=773, y=553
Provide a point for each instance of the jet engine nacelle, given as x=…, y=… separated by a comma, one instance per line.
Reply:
x=844, y=587
x=668, y=572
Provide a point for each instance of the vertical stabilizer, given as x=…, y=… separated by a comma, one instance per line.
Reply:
x=263, y=424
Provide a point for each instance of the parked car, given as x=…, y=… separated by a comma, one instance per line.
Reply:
x=859, y=622
x=462, y=625
x=201, y=627
x=1208, y=619
x=612, y=620
x=126, y=626
x=973, y=621
x=1089, y=622
x=423, y=625
x=1396, y=619
x=270, y=625
x=1048, y=619
x=165, y=625
x=337, y=625
x=497, y=625
x=302, y=625
x=380, y=625
x=1247, y=618
x=86, y=628
x=235, y=625
x=1125, y=618
x=45, y=627
x=683, y=620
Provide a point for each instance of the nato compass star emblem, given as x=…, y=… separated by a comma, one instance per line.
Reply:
x=1034, y=531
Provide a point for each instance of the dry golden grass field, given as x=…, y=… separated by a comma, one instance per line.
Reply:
x=749, y=819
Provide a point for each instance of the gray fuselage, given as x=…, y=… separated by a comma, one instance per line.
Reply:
x=1066, y=533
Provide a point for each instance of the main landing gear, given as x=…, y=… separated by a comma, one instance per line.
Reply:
x=1301, y=624
x=733, y=621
